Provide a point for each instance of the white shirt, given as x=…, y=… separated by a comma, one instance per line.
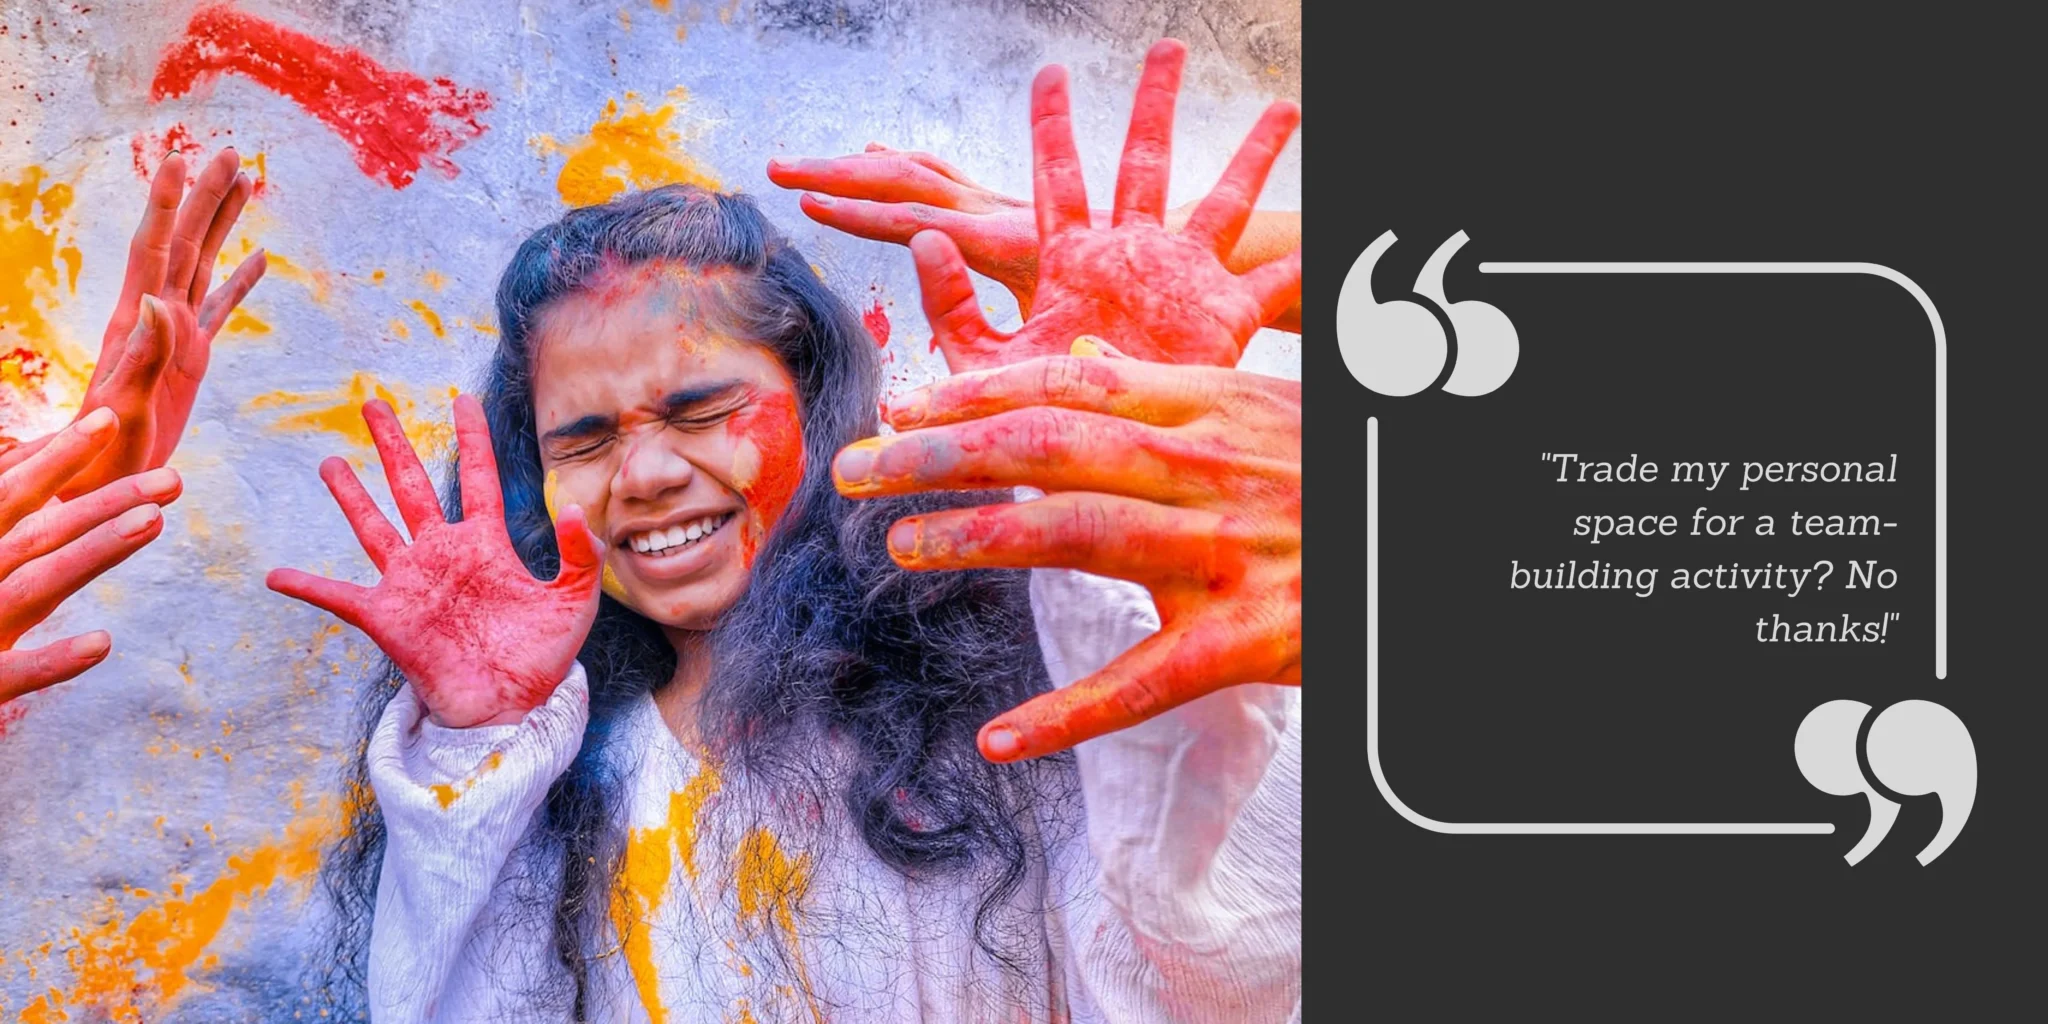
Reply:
x=1178, y=898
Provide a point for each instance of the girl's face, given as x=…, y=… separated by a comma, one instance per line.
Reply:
x=681, y=442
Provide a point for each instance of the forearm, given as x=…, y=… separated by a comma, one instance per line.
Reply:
x=1193, y=819
x=463, y=914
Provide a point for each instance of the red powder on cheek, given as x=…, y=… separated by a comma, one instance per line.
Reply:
x=770, y=424
x=877, y=323
x=394, y=121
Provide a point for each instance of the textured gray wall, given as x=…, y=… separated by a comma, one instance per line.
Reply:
x=161, y=818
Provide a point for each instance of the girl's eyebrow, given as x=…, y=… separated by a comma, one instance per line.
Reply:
x=683, y=398
x=672, y=403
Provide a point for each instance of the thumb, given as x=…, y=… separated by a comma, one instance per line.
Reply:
x=581, y=561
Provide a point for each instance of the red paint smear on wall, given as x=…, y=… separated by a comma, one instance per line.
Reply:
x=877, y=323
x=11, y=713
x=150, y=150
x=395, y=121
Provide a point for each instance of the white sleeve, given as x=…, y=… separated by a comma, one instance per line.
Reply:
x=463, y=920
x=1194, y=823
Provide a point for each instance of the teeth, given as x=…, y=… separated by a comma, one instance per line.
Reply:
x=654, y=541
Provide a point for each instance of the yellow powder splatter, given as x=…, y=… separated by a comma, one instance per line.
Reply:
x=630, y=148
x=241, y=321
x=132, y=969
x=340, y=412
x=399, y=328
x=317, y=282
x=38, y=368
x=643, y=881
x=485, y=328
x=431, y=318
x=377, y=277
x=446, y=794
x=770, y=888
x=433, y=279
x=663, y=5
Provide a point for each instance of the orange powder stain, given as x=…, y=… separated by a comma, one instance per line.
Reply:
x=340, y=412
x=241, y=321
x=643, y=882
x=36, y=256
x=432, y=280
x=399, y=328
x=431, y=318
x=771, y=886
x=446, y=794
x=130, y=970
x=319, y=283
x=633, y=147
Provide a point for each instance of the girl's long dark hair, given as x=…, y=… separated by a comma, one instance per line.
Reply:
x=900, y=668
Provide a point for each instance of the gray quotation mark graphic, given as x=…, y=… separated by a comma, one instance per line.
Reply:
x=1915, y=747
x=1398, y=348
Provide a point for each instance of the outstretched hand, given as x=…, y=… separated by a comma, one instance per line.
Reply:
x=1184, y=479
x=481, y=640
x=1152, y=293
x=49, y=549
x=158, y=342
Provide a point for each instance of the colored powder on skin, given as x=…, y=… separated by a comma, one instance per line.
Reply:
x=768, y=463
x=340, y=412
x=130, y=970
x=877, y=322
x=394, y=121
x=607, y=580
x=629, y=148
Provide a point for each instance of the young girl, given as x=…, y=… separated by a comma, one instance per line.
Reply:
x=743, y=783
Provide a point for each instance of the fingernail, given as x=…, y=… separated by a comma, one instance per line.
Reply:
x=908, y=410
x=97, y=422
x=1086, y=345
x=1002, y=743
x=820, y=198
x=91, y=646
x=858, y=460
x=136, y=521
x=904, y=536
x=158, y=483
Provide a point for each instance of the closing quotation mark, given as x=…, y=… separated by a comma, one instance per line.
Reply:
x=1398, y=348
x=1915, y=747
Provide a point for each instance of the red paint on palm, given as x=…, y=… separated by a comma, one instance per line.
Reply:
x=1152, y=293
x=395, y=121
x=479, y=638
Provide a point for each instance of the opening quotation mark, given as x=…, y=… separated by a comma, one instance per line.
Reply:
x=1915, y=748
x=1398, y=348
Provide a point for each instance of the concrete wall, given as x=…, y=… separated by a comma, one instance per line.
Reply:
x=161, y=818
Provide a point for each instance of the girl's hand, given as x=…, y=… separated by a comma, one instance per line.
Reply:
x=1184, y=479
x=156, y=347
x=49, y=549
x=1152, y=293
x=481, y=640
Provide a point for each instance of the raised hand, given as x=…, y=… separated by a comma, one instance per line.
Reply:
x=1153, y=293
x=160, y=338
x=889, y=195
x=1184, y=479
x=48, y=550
x=481, y=640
